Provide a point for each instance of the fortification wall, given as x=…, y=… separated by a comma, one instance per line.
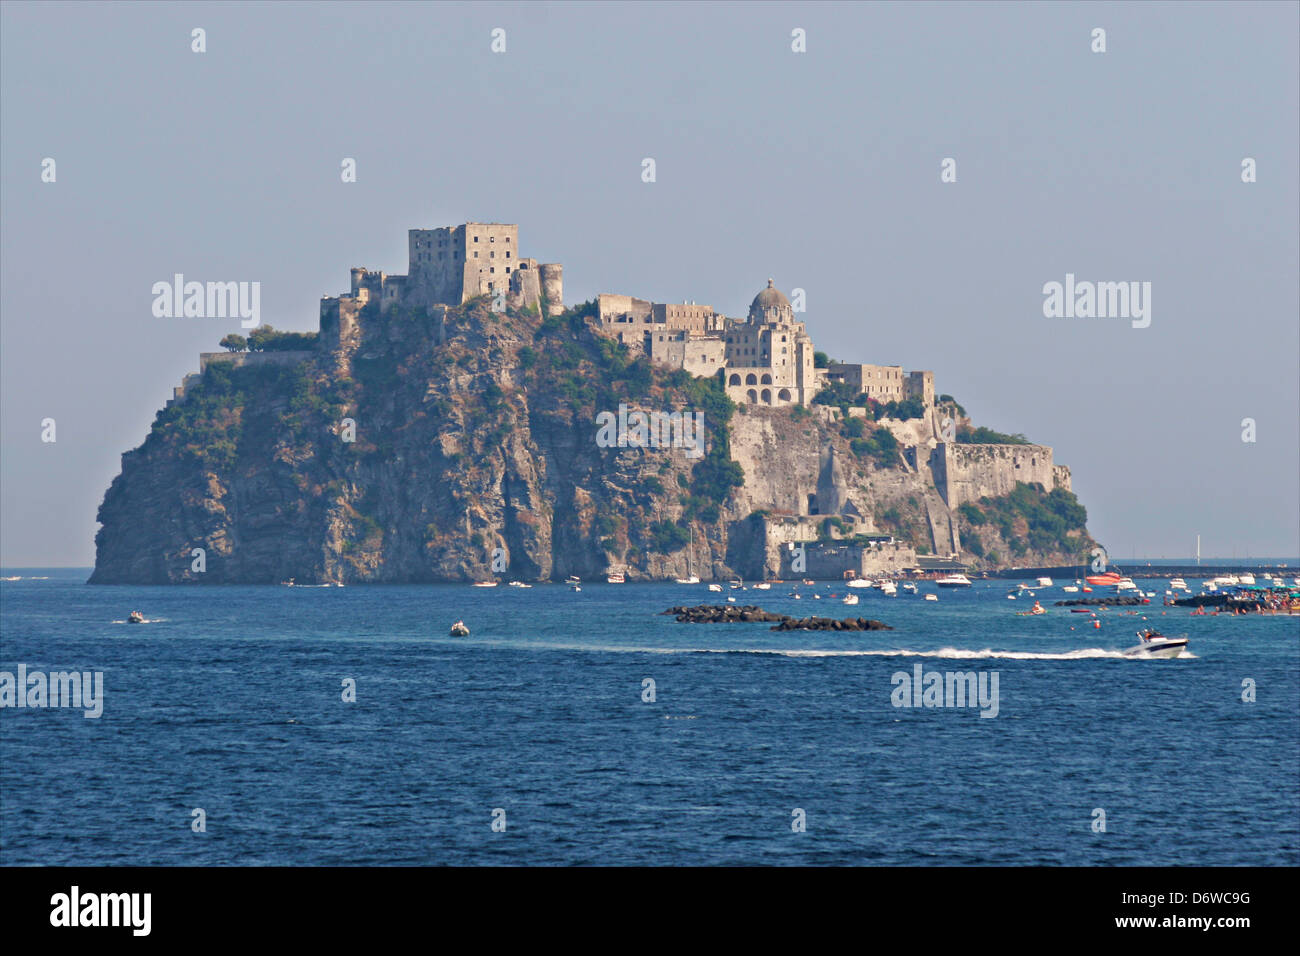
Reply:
x=969, y=472
x=1062, y=475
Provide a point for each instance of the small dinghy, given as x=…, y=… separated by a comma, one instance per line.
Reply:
x=1155, y=644
x=850, y=599
x=135, y=617
x=459, y=629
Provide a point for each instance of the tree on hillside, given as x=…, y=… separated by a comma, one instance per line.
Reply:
x=234, y=343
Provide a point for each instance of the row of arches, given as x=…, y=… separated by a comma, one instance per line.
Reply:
x=750, y=379
x=765, y=397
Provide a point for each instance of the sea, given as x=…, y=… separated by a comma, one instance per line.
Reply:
x=345, y=726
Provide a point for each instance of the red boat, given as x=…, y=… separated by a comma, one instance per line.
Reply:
x=1109, y=579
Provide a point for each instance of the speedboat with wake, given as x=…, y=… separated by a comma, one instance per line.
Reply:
x=1155, y=644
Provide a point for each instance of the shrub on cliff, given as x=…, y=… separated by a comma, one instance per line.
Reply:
x=987, y=436
x=666, y=537
x=267, y=339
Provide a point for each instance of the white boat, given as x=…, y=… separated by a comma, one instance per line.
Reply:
x=859, y=583
x=616, y=577
x=1044, y=582
x=1126, y=584
x=459, y=629
x=763, y=587
x=715, y=587
x=1247, y=579
x=573, y=579
x=731, y=599
x=850, y=599
x=519, y=584
x=909, y=587
x=1155, y=644
x=1070, y=589
x=1178, y=584
x=485, y=584
x=691, y=580
x=953, y=581
x=932, y=597
x=888, y=588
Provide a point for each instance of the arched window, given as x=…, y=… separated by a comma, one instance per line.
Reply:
x=784, y=395
x=767, y=379
x=751, y=379
x=734, y=380
x=752, y=395
x=767, y=396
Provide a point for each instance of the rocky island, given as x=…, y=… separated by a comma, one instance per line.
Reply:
x=460, y=423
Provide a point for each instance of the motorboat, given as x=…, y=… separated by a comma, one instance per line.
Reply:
x=690, y=580
x=1035, y=610
x=135, y=617
x=859, y=583
x=1070, y=589
x=519, y=584
x=1246, y=579
x=1109, y=579
x=850, y=599
x=715, y=587
x=573, y=579
x=616, y=577
x=485, y=584
x=459, y=629
x=932, y=597
x=888, y=588
x=1178, y=584
x=1155, y=644
x=1044, y=582
x=909, y=587
x=953, y=581
x=764, y=586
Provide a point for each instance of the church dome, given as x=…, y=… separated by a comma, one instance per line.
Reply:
x=770, y=305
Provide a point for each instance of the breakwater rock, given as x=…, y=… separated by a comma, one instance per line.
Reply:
x=749, y=613
x=1104, y=602
x=724, y=614
x=831, y=624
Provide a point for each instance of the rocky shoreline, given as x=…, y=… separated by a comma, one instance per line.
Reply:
x=751, y=614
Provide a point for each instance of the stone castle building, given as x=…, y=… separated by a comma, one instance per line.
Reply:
x=766, y=359
x=447, y=266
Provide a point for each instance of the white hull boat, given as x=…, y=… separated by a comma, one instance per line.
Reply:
x=1155, y=644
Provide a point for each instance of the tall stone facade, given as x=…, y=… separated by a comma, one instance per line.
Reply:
x=447, y=266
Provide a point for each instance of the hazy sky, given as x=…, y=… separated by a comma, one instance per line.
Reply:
x=819, y=169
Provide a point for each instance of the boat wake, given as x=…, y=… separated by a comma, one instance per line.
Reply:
x=949, y=653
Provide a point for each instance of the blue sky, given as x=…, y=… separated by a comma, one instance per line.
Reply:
x=819, y=169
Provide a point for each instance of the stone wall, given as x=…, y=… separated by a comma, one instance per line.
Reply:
x=969, y=472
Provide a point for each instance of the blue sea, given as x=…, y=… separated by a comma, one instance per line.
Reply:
x=231, y=701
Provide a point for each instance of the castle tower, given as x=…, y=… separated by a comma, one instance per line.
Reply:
x=552, y=275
